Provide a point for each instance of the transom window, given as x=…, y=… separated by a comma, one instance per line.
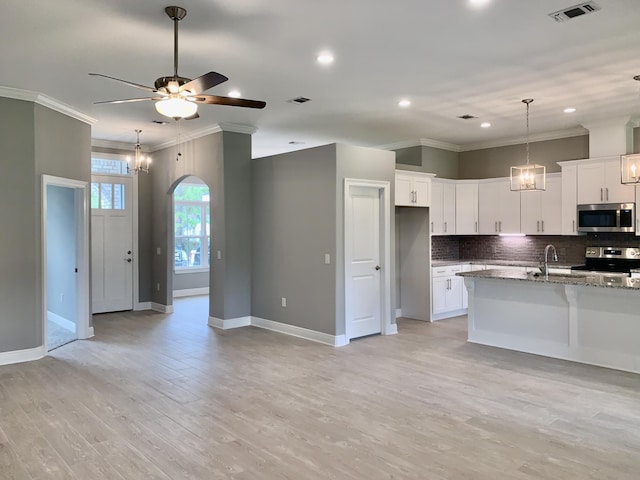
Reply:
x=192, y=225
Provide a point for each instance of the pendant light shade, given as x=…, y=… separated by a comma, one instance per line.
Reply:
x=139, y=163
x=630, y=169
x=530, y=176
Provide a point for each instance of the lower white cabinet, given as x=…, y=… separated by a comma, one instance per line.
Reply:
x=447, y=292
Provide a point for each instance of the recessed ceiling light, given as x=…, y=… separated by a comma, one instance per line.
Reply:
x=404, y=103
x=569, y=110
x=235, y=94
x=325, y=58
x=485, y=124
x=479, y=3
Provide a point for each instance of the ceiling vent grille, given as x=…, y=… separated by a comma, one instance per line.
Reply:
x=467, y=116
x=300, y=100
x=575, y=11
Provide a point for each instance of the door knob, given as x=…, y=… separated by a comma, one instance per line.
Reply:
x=377, y=267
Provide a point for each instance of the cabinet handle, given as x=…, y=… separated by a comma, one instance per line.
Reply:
x=499, y=225
x=542, y=222
x=607, y=192
x=602, y=194
x=476, y=227
x=432, y=226
x=415, y=197
x=445, y=227
x=495, y=228
x=538, y=226
x=573, y=225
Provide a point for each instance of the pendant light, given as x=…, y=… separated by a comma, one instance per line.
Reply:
x=139, y=163
x=630, y=164
x=529, y=177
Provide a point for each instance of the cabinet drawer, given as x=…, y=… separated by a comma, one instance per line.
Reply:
x=445, y=271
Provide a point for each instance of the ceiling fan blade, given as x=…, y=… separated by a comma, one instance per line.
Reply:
x=131, y=84
x=233, y=102
x=204, y=82
x=130, y=100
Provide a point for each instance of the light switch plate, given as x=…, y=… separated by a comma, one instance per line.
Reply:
x=327, y=259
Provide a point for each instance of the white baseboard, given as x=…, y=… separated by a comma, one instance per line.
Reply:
x=142, y=306
x=229, y=323
x=158, y=307
x=90, y=334
x=188, y=292
x=314, y=336
x=19, y=356
x=61, y=321
x=398, y=312
x=392, y=329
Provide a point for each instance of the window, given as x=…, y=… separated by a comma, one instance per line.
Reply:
x=107, y=196
x=192, y=225
x=108, y=166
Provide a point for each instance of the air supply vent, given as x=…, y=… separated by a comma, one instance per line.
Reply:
x=467, y=116
x=300, y=100
x=575, y=11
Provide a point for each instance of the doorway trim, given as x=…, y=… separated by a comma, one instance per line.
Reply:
x=384, y=190
x=81, y=202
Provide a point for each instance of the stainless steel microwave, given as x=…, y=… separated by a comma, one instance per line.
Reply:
x=607, y=217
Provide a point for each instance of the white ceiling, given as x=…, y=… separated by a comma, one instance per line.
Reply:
x=448, y=58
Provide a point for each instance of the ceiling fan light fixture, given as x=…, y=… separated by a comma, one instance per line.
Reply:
x=176, y=107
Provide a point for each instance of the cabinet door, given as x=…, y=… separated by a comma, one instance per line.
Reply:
x=488, y=206
x=449, y=208
x=436, y=211
x=440, y=288
x=591, y=183
x=422, y=189
x=531, y=212
x=551, y=201
x=509, y=208
x=467, y=208
x=569, y=200
x=404, y=194
x=454, y=294
x=614, y=190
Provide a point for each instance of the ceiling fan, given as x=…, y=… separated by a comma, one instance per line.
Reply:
x=178, y=97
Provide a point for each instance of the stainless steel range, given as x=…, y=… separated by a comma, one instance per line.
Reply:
x=611, y=260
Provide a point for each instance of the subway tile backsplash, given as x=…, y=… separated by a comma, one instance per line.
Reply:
x=530, y=248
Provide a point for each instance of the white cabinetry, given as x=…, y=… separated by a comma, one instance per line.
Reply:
x=446, y=292
x=413, y=189
x=599, y=182
x=498, y=207
x=443, y=207
x=569, y=199
x=539, y=210
x=466, y=208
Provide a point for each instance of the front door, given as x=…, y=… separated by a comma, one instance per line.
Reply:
x=364, y=285
x=111, y=243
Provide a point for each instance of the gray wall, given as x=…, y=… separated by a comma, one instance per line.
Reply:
x=185, y=281
x=61, y=252
x=444, y=163
x=222, y=161
x=294, y=225
x=370, y=164
x=35, y=141
x=496, y=162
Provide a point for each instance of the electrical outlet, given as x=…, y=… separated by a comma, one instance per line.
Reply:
x=158, y=287
x=327, y=259
x=284, y=302
x=219, y=255
x=158, y=251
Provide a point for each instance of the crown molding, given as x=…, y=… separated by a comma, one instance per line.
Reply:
x=540, y=137
x=422, y=142
x=111, y=144
x=203, y=132
x=46, y=101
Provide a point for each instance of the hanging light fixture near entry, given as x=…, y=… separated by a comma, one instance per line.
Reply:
x=139, y=163
x=529, y=177
x=630, y=164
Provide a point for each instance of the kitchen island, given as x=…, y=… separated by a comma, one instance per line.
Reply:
x=590, y=319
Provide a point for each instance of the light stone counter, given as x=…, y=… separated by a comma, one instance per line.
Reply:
x=588, y=319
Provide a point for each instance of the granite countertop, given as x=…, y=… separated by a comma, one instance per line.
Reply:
x=506, y=263
x=587, y=280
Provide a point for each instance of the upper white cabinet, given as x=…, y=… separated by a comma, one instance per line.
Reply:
x=539, y=210
x=569, y=199
x=443, y=207
x=466, y=208
x=413, y=189
x=599, y=182
x=498, y=207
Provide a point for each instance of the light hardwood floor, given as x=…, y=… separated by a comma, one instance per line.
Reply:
x=157, y=396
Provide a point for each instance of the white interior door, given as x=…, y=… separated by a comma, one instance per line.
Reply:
x=363, y=257
x=111, y=243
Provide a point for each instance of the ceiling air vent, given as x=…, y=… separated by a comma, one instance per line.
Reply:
x=300, y=100
x=466, y=116
x=575, y=11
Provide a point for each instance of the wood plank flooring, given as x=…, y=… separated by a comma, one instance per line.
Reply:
x=156, y=396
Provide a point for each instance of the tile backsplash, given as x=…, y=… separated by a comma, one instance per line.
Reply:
x=571, y=250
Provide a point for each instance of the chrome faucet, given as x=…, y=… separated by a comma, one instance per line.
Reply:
x=544, y=267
